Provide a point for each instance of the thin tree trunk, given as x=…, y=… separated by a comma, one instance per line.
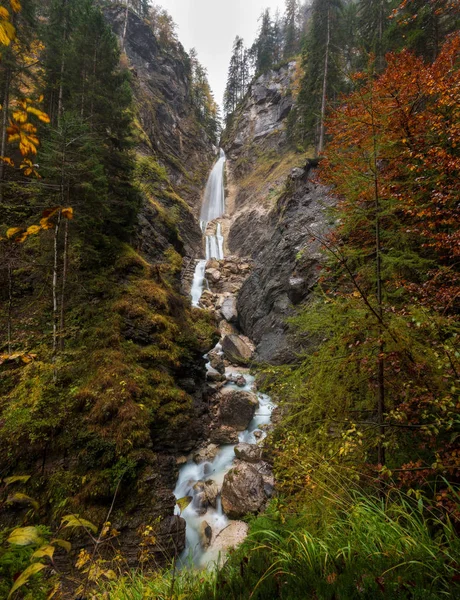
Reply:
x=10, y=307
x=63, y=285
x=326, y=69
x=62, y=71
x=125, y=27
x=55, y=294
x=5, y=110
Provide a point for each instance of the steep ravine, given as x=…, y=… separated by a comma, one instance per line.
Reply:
x=278, y=206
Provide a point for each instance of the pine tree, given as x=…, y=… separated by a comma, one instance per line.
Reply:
x=323, y=70
x=373, y=22
x=238, y=76
x=264, y=46
x=291, y=29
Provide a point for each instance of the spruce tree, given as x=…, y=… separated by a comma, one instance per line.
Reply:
x=264, y=46
x=291, y=30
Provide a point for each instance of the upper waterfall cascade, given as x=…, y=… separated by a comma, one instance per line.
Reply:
x=213, y=208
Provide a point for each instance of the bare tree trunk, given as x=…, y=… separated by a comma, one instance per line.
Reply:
x=324, y=96
x=5, y=110
x=63, y=285
x=125, y=27
x=10, y=306
x=55, y=294
x=61, y=76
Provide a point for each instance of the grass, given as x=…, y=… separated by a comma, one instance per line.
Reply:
x=353, y=546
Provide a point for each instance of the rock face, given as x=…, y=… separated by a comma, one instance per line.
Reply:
x=261, y=118
x=236, y=350
x=237, y=409
x=286, y=269
x=242, y=491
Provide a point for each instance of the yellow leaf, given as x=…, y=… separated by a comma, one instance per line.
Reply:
x=7, y=33
x=13, y=231
x=67, y=213
x=62, y=543
x=75, y=521
x=16, y=478
x=24, y=536
x=33, y=229
x=182, y=503
x=25, y=576
x=7, y=160
x=4, y=14
x=46, y=550
x=39, y=113
x=19, y=498
x=15, y=5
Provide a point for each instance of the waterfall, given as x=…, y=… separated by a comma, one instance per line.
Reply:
x=213, y=208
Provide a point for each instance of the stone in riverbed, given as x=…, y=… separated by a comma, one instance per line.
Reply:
x=214, y=375
x=224, y=435
x=207, y=454
x=213, y=274
x=237, y=408
x=230, y=537
x=209, y=489
x=236, y=349
x=242, y=491
x=229, y=311
x=205, y=535
x=250, y=453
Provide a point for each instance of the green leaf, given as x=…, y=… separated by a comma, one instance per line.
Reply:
x=23, y=536
x=182, y=503
x=75, y=521
x=19, y=498
x=16, y=478
x=26, y=575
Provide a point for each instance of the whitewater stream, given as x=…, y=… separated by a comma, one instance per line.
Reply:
x=191, y=473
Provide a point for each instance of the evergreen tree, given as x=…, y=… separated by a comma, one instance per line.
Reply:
x=373, y=22
x=205, y=106
x=291, y=29
x=264, y=46
x=323, y=70
x=238, y=76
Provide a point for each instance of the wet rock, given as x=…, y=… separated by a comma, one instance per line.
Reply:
x=258, y=434
x=236, y=349
x=224, y=435
x=266, y=470
x=214, y=375
x=228, y=310
x=242, y=491
x=213, y=274
x=248, y=452
x=238, y=380
x=181, y=460
x=205, y=535
x=227, y=328
x=237, y=408
x=207, y=454
x=216, y=361
x=230, y=537
x=200, y=503
x=209, y=489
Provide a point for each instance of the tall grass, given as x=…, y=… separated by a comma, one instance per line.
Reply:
x=365, y=548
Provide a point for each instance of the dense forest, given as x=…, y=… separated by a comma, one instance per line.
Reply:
x=108, y=131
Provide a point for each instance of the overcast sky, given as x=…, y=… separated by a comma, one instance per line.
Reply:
x=210, y=26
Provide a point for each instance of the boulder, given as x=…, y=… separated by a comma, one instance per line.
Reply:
x=205, y=535
x=236, y=349
x=213, y=275
x=231, y=536
x=266, y=470
x=207, y=454
x=209, y=489
x=237, y=408
x=228, y=310
x=227, y=328
x=242, y=491
x=214, y=375
x=224, y=435
x=248, y=452
x=217, y=362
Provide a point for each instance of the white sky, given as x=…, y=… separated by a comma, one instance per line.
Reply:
x=210, y=26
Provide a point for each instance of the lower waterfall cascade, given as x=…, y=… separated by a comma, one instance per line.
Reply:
x=191, y=473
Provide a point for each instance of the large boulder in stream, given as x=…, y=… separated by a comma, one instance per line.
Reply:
x=231, y=536
x=224, y=435
x=242, y=491
x=237, y=408
x=236, y=350
x=229, y=311
x=250, y=453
